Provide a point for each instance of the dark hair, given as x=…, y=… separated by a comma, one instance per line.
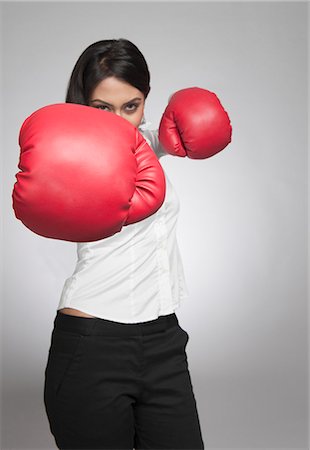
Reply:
x=115, y=57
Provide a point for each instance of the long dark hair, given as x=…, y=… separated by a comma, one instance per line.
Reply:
x=115, y=57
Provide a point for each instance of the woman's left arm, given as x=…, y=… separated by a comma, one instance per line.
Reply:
x=153, y=141
x=194, y=124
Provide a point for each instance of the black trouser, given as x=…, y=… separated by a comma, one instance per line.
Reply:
x=112, y=385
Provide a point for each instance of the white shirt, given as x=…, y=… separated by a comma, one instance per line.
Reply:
x=135, y=275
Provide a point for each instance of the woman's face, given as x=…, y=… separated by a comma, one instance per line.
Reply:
x=119, y=98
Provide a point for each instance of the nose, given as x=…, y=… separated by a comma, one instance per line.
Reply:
x=120, y=114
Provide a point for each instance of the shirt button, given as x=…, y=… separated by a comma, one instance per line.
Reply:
x=160, y=223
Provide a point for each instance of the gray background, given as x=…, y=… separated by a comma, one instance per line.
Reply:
x=243, y=220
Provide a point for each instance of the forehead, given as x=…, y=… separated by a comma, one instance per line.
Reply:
x=115, y=91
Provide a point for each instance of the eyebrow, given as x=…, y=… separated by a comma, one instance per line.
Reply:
x=109, y=104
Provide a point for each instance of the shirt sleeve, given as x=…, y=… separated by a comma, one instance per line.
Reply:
x=152, y=137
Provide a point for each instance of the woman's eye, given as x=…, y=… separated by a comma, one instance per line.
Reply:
x=104, y=107
x=131, y=107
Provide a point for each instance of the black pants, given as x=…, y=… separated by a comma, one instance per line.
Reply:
x=110, y=385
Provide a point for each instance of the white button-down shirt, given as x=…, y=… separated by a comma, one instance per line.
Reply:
x=135, y=275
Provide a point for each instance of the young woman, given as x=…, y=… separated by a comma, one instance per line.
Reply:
x=117, y=374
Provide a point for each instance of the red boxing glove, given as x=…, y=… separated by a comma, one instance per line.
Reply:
x=194, y=124
x=84, y=174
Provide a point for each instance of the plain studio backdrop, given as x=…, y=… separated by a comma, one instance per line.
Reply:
x=242, y=229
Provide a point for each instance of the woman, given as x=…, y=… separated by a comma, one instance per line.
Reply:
x=117, y=373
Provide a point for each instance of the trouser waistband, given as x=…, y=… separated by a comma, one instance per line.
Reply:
x=104, y=327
